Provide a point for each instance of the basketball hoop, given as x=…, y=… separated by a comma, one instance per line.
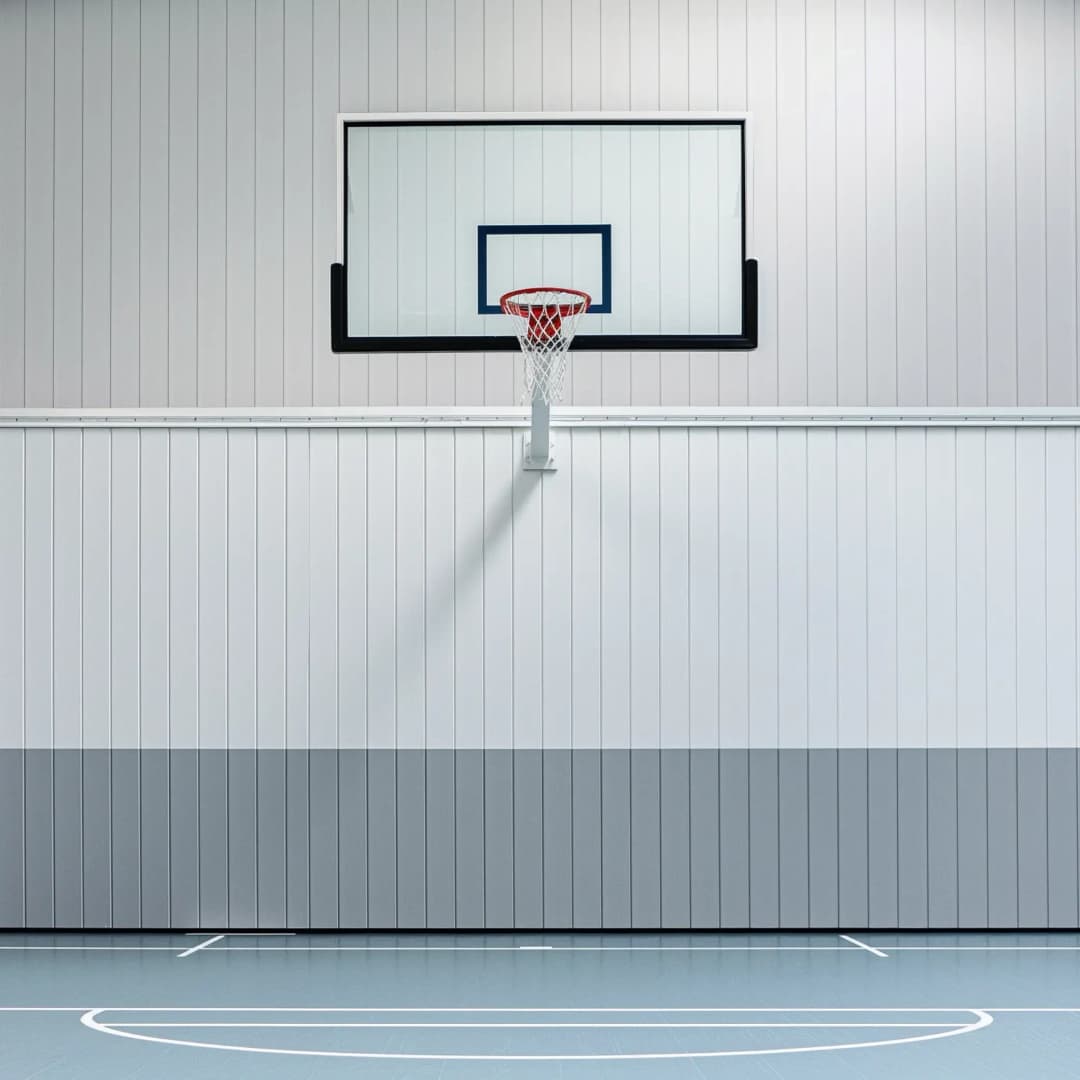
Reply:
x=545, y=319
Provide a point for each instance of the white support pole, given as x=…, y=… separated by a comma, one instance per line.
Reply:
x=538, y=453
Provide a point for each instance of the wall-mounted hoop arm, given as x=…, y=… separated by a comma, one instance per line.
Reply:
x=544, y=318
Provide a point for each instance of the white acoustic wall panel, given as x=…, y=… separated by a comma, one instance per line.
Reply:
x=168, y=193
x=762, y=586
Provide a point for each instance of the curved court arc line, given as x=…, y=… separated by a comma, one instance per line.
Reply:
x=981, y=1020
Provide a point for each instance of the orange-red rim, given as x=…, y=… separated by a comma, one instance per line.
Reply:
x=508, y=304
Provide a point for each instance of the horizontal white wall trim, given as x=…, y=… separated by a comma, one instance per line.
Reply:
x=607, y=417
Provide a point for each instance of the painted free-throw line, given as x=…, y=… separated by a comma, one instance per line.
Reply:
x=547, y=1009
x=863, y=945
x=1067, y=1009
x=204, y=945
x=514, y=1026
x=533, y=948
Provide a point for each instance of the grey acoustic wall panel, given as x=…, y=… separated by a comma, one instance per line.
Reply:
x=737, y=671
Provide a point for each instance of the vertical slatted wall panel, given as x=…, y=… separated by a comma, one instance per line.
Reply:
x=168, y=192
x=703, y=676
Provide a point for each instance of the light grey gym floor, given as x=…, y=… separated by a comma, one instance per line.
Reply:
x=454, y=1006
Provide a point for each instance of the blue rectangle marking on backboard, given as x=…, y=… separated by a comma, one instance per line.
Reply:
x=599, y=306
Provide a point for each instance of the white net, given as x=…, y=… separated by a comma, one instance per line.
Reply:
x=545, y=321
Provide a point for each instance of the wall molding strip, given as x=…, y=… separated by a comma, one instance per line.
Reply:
x=629, y=417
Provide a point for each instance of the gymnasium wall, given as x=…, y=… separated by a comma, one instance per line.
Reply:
x=167, y=191
x=288, y=638
x=759, y=671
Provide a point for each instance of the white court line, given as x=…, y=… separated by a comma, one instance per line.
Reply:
x=590, y=1009
x=542, y=948
x=877, y=951
x=533, y=948
x=88, y=948
x=548, y=948
x=198, y=948
x=983, y=948
x=431, y=948
x=517, y=1026
x=863, y=945
x=1073, y=1009
x=981, y=1019
x=1069, y=1009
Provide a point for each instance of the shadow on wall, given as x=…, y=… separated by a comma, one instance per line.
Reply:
x=434, y=614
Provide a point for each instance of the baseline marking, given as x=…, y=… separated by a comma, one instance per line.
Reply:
x=198, y=948
x=533, y=948
x=88, y=948
x=877, y=951
x=983, y=948
x=863, y=945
